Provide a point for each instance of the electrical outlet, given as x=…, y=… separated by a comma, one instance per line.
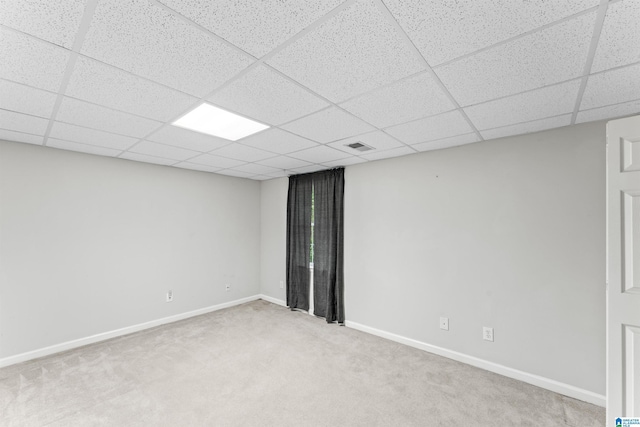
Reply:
x=281, y=284
x=444, y=323
x=227, y=287
x=487, y=334
x=169, y=295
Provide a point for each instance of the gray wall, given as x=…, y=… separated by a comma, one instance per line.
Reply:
x=91, y=244
x=507, y=233
x=273, y=231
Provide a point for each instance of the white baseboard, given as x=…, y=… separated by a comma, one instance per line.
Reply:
x=46, y=351
x=272, y=300
x=546, y=383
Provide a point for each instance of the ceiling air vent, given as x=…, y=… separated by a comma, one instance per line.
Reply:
x=359, y=146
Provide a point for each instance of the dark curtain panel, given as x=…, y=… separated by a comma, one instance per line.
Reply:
x=328, y=249
x=298, y=240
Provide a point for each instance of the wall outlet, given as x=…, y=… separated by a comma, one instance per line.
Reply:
x=169, y=295
x=444, y=323
x=227, y=287
x=281, y=284
x=487, y=334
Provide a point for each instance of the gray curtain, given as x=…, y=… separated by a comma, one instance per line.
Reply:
x=328, y=277
x=298, y=240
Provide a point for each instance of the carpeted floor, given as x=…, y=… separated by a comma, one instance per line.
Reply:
x=260, y=364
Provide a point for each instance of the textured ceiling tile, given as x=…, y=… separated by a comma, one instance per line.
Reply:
x=255, y=26
x=387, y=154
x=283, y=162
x=83, y=148
x=454, y=141
x=94, y=116
x=344, y=162
x=355, y=51
x=164, y=151
x=53, y=21
x=431, y=128
x=242, y=152
x=146, y=159
x=195, y=167
x=377, y=139
x=528, y=127
x=406, y=100
x=30, y=61
x=17, y=122
x=109, y=86
x=619, y=42
x=537, y=104
x=278, y=141
x=539, y=59
x=9, y=135
x=443, y=30
x=612, y=87
x=609, y=112
x=309, y=169
x=266, y=96
x=319, y=154
x=328, y=125
x=147, y=40
x=25, y=99
x=216, y=161
x=256, y=169
x=179, y=137
x=74, y=133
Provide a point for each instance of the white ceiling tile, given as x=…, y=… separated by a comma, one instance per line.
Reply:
x=328, y=125
x=102, y=118
x=528, y=127
x=612, y=87
x=25, y=99
x=74, y=133
x=162, y=150
x=83, y=148
x=17, y=122
x=377, y=139
x=552, y=55
x=309, y=169
x=609, y=112
x=279, y=174
x=319, y=154
x=184, y=138
x=216, y=161
x=278, y=141
x=236, y=173
x=146, y=159
x=105, y=85
x=9, y=135
x=256, y=169
x=446, y=30
x=619, y=42
x=409, y=99
x=31, y=61
x=195, y=167
x=264, y=95
x=147, y=40
x=54, y=21
x=353, y=52
x=283, y=162
x=536, y=104
x=454, y=141
x=344, y=162
x=387, y=154
x=256, y=27
x=431, y=128
x=242, y=152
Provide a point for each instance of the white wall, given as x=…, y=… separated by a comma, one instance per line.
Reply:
x=91, y=244
x=273, y=231
x=507, y=233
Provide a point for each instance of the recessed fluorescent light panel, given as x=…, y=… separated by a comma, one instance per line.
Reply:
x=218, y=122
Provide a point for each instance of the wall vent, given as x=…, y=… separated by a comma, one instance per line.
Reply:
x=359, y=146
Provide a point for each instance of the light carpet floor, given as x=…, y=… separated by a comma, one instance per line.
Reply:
x=259, y=364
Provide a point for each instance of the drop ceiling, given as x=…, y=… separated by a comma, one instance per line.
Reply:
x=107, y=77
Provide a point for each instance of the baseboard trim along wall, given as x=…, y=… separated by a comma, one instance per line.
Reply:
x=546, y=383
x=273, y=300
x=69, y=345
